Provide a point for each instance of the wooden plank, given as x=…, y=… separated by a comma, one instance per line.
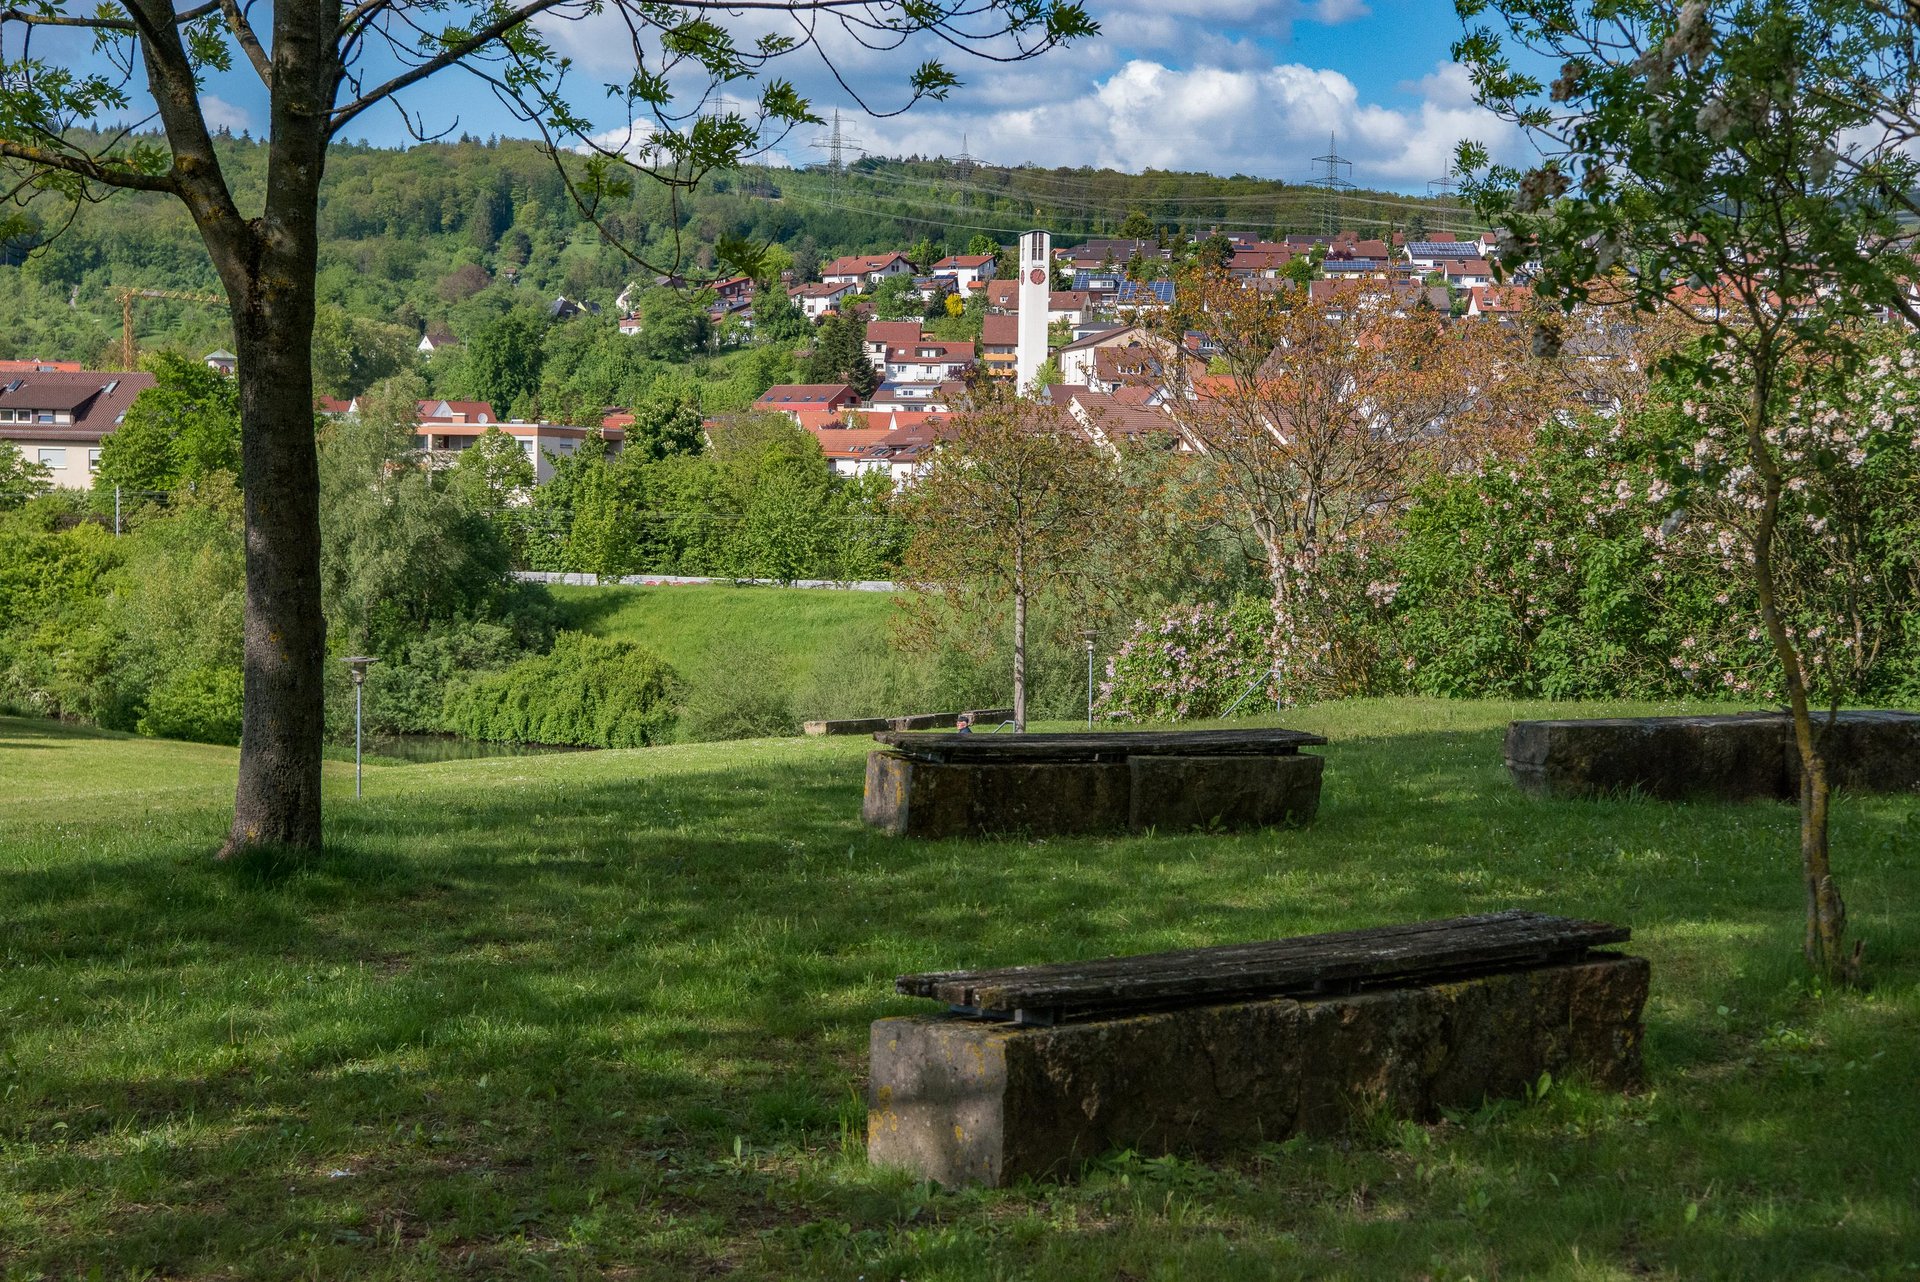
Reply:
x=1344, y=961
x=1114, y=745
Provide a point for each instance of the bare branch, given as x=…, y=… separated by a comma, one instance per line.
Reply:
x=248, y=41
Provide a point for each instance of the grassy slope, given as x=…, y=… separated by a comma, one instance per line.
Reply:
x=694, y=628
x=606, y=1014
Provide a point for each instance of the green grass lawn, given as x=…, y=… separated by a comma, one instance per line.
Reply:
x=695, y=627
x=606, y=1015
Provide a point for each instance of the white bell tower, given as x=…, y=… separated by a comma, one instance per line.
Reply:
x=1036, y=285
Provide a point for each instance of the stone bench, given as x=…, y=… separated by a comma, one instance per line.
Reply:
x=951, y=785
x=1733, y=757
x=1036, y=1069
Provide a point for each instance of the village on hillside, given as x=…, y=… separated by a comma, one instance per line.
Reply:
x=1102, y=366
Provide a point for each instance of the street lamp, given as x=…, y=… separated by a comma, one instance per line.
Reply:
x=359, y=663
x=1088, y=635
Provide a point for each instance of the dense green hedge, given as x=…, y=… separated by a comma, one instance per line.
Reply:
x=586, y=692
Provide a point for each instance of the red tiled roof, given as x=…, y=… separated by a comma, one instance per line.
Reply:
x=96, y=398
x=893, y=333
x=1000, y=331
x=806, y=395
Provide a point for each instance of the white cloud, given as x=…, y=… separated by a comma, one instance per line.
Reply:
x=1268, y=122
x=222, y=114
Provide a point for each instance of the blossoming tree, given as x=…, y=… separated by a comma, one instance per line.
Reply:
x=1740, y=164
x=1325, y=413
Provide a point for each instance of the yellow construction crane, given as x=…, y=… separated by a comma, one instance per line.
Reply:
x=126, y=313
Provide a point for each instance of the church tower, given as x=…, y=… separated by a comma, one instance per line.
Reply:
x=1036, y=286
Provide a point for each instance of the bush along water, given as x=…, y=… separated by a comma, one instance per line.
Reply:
x=586, y=692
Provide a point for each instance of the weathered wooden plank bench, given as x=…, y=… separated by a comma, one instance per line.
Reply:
x=918, y=721
x=945, y=785
x=1734, y=757
x=1034, y=1069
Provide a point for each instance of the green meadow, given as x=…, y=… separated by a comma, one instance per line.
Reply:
x=605, y=1015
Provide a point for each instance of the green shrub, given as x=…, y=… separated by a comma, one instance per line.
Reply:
x=200, y=704
x=586, y=692
x=745, y=695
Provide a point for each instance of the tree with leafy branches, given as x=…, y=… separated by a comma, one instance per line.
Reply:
x=21, y=478
x=1745, y=166
x=1016, y=504
x=324, y=64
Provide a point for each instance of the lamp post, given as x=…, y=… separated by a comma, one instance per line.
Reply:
x=1088, y=635
x=358, y=663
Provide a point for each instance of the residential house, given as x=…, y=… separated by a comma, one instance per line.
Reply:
x=1500, y=302
x=999, y=344
x=631, y=324
x=41, y=367
x=793, y=399
x=1261, y=260
x=882, y=335
x=1108, y=253
x=1428, y=255
x=436, y=339
x=965, y=270
x=222, y=361
x=1143, y=295
x=1467, y=273
x=816, y=299
x=1068, y=305
x=1077, y=358
x=863, y=270
x=58, y=418
x=1112, y=421
x=927, y=361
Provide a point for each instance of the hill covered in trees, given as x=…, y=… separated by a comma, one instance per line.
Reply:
x=450, y=235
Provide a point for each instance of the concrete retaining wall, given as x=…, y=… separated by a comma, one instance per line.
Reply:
x=689, y=580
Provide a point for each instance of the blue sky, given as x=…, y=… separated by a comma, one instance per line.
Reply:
x=1227, y=86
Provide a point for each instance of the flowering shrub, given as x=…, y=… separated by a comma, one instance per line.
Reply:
x=1843, y=509
x=1531, y=577
x=1191, y=662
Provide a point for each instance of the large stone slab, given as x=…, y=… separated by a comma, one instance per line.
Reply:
x=963, y=1101
x=917, y=798
x=1735, y=757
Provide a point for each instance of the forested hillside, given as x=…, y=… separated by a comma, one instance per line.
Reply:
x=456, y=234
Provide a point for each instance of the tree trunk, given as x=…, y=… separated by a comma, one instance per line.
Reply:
x=269, y=275
x=277, y=801
x=1826, y=924
x=1019, y=639
x=1826, y=930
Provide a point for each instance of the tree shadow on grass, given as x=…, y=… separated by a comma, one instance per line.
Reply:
x=589, y=987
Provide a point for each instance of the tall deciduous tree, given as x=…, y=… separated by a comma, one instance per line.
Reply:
x=324, y=64
x=1015, y=504
x=1322, y=415
x=1744, y=166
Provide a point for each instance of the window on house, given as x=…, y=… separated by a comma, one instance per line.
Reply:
x=93, y=462
x=43, y=416
x=54, y=458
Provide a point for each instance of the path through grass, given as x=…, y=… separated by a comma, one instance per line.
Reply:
x=605, y=1015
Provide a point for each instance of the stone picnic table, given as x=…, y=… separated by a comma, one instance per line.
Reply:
x=950, y=785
